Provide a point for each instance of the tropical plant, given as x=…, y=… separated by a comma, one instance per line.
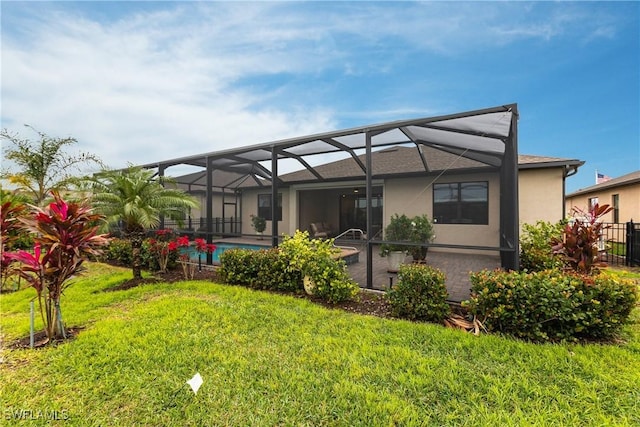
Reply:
x=258, y=223
x=401, y=228
x=135, y=199
x=422, y=233
x=581, y=236
x=398, y=230
x=44, y=165
x=66, y=235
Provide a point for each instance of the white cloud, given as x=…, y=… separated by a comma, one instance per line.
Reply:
x=185, y=78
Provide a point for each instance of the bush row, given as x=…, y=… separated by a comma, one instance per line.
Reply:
x=119, y=252
x=551, y=305
x=285, y=268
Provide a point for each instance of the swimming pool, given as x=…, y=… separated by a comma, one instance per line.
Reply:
x=220, y=248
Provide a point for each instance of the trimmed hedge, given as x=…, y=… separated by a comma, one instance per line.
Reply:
x=420, y=294
x=263, y=269
x=551, y=305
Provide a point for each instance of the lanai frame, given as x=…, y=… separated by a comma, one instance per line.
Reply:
x=488, y=136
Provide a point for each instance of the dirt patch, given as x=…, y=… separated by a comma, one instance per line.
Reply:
x=40, y=339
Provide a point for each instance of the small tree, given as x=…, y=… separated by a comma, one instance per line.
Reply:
x=65, y=236
x=135, y=199
x=44, y=165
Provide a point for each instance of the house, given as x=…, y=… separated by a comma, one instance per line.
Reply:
x=621, y=193
x=403, y=187
x=462, y=169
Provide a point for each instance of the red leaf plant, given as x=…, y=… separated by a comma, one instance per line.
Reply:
x=201, y=247
x=65, y=236
x=581, y=236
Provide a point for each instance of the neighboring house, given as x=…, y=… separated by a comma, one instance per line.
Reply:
x=621, y=193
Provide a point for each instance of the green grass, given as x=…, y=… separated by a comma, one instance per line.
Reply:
x=616, y=248
x=275, y=360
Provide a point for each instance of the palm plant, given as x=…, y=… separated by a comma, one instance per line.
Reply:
x=135, y=199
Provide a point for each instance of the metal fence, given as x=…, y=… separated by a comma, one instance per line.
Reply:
x=620, y=244
x=198, y=226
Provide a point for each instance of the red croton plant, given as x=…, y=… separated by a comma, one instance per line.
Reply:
x=580, y=241
x=65, y=235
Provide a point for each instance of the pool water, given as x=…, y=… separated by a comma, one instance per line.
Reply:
x=220, y=248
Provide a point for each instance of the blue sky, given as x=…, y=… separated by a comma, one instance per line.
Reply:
x=146, y=81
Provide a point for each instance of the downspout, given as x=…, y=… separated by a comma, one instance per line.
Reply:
x=567, y=171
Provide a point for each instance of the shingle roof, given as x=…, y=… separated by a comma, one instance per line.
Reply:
x=395, y=161
x=628, y=179
x=406, y=161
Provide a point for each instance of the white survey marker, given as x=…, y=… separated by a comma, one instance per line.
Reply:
x=195, y=382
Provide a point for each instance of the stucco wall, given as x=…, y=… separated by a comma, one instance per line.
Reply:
x=250, y=206
x=629, y=202
x=414, y=196
x=540, y=195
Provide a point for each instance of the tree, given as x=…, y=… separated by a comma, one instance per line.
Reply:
x=43, y=165
x=134, y=199
x=65, y=236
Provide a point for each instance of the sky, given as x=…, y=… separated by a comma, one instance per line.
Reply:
x=139, y=82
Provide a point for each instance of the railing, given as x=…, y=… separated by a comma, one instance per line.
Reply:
x=620, y=244
x=353, y=232
x=198, y=226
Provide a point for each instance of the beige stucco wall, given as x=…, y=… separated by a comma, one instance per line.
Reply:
x=540, y=195
x=414, y=196
x=250, y=207
x=629, y=202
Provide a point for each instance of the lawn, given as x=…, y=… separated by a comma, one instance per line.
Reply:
x=269, y=359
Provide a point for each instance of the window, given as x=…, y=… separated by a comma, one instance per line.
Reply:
x=264, y=207
x=592, y=202
x=461, y=203
x=615, y=203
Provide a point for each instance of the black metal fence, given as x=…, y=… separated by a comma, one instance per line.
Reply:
x=620, y=244
x=198, y=226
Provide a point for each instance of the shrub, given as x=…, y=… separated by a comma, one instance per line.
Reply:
x=551, y=305
x=536, y=241
x=273, y=273
x=238, y=266
x=318, y=260
x=283, y=268
x=118, y=252
x=420, y=294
